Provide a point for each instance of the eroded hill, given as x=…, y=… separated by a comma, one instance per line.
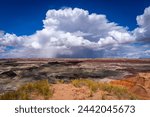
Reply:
x=134, y=74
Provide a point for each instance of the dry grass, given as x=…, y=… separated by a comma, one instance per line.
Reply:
x=43, y=89
x=61, y=81
x=25, y=92
x=119, y=91
x=94, y=86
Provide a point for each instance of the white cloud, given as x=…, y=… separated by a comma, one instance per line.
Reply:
x=143, y=21
x=73, y=33
x=76, y=21
x=116, y=37
x=147, y=52
x=2, y=49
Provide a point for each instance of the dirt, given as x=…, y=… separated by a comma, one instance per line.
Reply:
x=69, y=92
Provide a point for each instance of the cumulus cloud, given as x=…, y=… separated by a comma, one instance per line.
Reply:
x=74, y=33
x=78, y=21
x=143, y=29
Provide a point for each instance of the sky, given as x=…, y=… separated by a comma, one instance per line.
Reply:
x=74, y=29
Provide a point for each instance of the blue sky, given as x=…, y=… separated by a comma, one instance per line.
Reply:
x=24, y=17
x=119, y=28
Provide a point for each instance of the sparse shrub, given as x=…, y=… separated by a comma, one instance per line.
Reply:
x=86, y=82
x=112, y=88
x=14, y=96
x=120, y=91
x=41, y=87
x=61, y=81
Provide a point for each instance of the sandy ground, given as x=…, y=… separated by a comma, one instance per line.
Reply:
x=69, y=92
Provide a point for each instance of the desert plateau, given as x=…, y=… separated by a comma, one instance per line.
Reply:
x=75, y=79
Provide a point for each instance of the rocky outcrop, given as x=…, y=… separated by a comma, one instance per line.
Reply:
x=139, y=84
x=8, y=74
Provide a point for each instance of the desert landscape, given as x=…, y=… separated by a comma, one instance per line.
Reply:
x=74, y=79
